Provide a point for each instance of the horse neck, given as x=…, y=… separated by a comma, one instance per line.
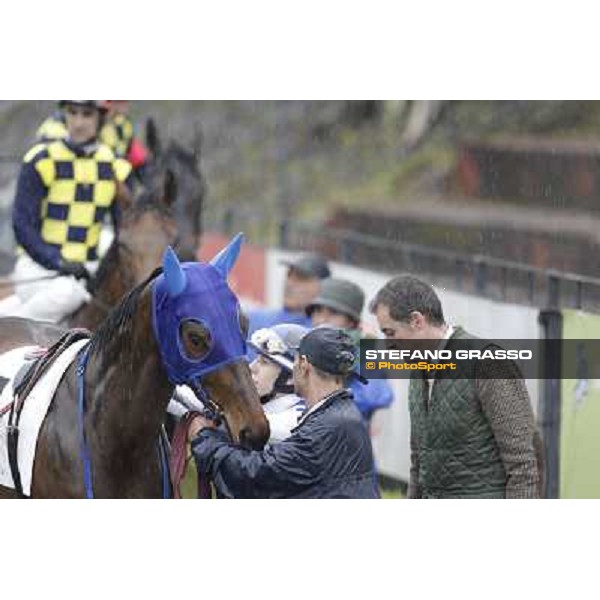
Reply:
x=115, y=280
x=128, y=389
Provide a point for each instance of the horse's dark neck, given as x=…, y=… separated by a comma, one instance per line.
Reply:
x=113, y=281
x=128, y=392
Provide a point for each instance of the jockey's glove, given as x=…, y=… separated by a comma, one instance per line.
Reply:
x=77, y=270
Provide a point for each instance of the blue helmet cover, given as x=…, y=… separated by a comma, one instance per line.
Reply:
x=199, y=292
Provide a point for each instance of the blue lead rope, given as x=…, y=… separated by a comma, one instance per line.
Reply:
x=85, y=453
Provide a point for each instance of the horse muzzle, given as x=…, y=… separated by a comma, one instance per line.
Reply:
x=252, y=439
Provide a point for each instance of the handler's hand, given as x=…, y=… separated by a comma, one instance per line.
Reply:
x=196, y=425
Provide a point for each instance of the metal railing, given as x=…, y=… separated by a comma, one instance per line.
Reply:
x=481, y=275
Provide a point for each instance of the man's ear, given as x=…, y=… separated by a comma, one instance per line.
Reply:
x=303, y=364
x=417, y=320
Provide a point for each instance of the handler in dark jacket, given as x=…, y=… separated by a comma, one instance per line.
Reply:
x=329, y=453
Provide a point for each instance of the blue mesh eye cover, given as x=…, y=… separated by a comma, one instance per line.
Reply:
x=207, y=298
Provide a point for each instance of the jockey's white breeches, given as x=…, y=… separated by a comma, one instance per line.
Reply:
x=50, y=299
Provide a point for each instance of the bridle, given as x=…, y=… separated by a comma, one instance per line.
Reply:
x=212, y=410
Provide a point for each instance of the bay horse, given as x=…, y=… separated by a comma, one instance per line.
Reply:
x=182, y=325
x=192, y=187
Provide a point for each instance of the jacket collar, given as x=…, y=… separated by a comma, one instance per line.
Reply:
x=281, y=403
x=322, y=404
x=86, y=149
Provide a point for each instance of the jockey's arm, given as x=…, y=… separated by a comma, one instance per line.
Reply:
x=27, y=219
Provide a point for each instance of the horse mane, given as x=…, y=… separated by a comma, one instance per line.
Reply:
x=107, y=266
x=120, y=317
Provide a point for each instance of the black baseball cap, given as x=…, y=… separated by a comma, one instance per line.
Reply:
x=331, y=350
x=311, y=265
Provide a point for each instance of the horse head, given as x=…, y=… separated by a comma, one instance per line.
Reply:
x=149, y=226
x=191, y=189
x=201, y=333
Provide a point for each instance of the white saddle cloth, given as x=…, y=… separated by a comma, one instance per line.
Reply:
x=34, y=411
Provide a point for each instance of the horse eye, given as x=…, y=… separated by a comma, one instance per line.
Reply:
x=196, y=339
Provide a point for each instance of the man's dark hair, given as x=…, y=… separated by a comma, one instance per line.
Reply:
x=406, y=294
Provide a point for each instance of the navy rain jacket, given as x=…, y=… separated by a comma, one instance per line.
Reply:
x=328, y=455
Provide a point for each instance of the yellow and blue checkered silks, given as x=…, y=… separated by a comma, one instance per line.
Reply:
x=80, y=191
x=117, y=134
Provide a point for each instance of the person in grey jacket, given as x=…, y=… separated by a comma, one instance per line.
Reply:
x=328, y=454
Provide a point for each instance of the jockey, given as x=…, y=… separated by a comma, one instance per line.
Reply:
x=272, y=374
x=117, y=133
x=65, y=189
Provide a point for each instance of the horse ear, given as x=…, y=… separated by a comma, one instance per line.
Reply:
x=170, y=188
x=225, y=260
x=152, y=139
x=174, y=275
x=197, y=143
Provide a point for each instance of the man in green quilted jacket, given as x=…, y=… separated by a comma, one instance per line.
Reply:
x=472, y=434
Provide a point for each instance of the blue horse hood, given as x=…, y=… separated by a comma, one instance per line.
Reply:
x=206, y=297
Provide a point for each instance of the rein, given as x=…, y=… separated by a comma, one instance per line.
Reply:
x=13, y=282
x=179, y=460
